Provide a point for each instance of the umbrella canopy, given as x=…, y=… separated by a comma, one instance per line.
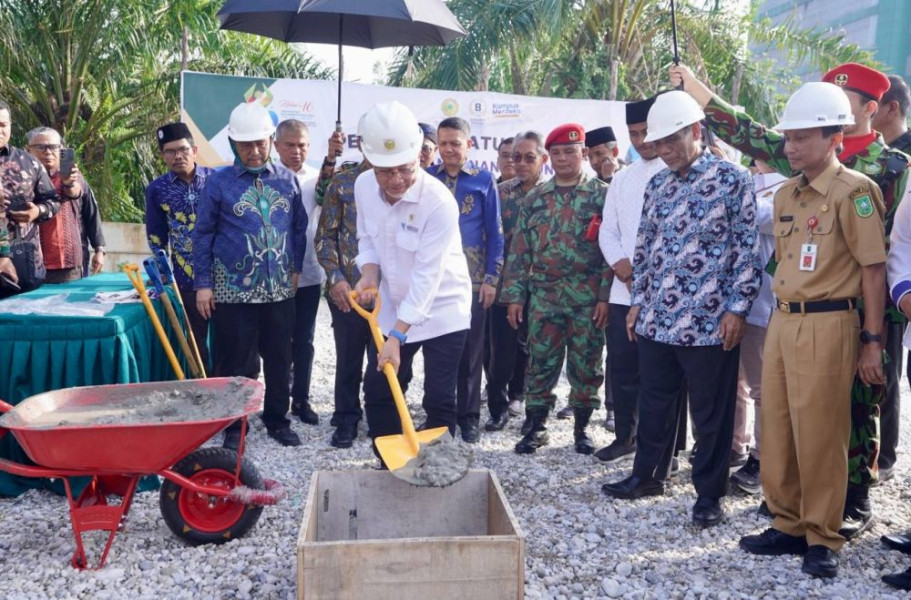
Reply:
x=368, y=24
x=364, y=23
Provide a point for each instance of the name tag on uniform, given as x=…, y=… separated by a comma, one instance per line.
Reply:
x=808, y=257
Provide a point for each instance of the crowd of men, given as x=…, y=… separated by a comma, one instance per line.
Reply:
x=713, y=287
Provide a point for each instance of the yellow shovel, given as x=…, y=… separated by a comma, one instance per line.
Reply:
x=398, y=451
x=132, y=271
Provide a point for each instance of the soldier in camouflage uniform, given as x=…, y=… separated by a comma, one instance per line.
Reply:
x=556, y=265
x=865, y=152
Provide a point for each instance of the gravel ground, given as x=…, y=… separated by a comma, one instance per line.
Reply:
x=579, y=543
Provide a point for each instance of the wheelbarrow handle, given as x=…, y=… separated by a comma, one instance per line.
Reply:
x=5, y=407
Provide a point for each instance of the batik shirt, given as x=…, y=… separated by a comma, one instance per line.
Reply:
x=697, y=252
x=22, y=175
x=61, y=237
x=550, y=255
x=171, y=217
x=336, y=235
x=250, y=235
x=512, y=199
x=475, y=192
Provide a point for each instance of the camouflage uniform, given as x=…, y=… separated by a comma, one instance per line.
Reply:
x=751, y=138
x=563, y=276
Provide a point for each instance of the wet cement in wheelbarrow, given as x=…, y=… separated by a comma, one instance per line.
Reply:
x=180, y=404
x=439, y=463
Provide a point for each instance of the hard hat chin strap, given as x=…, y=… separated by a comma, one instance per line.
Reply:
x=253, y=170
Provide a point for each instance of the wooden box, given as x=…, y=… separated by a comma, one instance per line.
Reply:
x=366, y=534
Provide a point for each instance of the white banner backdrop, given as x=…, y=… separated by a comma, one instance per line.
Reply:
x=492, y=116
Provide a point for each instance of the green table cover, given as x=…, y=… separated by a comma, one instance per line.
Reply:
x=40, y=353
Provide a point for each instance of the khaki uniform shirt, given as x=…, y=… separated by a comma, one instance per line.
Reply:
x=848, y=233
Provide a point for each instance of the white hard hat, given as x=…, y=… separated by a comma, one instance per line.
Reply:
x=250, y=122
x=390, y=135
x=816, y=104
x=670, y=113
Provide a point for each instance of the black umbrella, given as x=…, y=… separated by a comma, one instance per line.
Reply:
x=364, y=23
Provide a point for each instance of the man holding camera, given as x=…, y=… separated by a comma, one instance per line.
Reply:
x=26, y=198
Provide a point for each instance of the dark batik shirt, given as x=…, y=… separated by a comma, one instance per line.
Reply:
x=21, y=175
x=171, y=217
x=250, y=235
x=336, y=235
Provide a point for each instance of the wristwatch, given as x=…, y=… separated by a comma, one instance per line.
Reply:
x=866, y=337
x=401, y=337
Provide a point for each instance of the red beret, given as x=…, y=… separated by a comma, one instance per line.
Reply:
x=569, y=133
x=859, y=78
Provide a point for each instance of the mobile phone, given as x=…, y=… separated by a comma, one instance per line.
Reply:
x=7, y=282
x=17, y=202
x=67, y=161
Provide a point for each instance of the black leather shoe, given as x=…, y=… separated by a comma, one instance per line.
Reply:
x=901, y=581
x=772, y=542
x=858, y=517
x=565, y=413
x=537, y=432
x=764, y=511
x=344, y=436
x=707, y=511
x=497, y=423
x=471, y=433
x=232, y=440
x=898, y=541
x=583, y=443
x=616, y=451
x=820, y=561
x=305, y=412
x=284, y=436
x=633, y=487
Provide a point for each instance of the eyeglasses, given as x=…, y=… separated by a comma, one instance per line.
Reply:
x=428, y=148
x=404, y=172
x=172, y=152
x=529, y=159
x=45, y=147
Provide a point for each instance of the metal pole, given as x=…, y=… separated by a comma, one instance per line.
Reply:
x=341, y=73
x=674, y=29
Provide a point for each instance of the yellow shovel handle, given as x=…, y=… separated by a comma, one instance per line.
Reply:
x=399, y=398
x=190, y=335
x=132, y=271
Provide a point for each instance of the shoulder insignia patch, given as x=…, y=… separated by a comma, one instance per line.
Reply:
x=863, y=204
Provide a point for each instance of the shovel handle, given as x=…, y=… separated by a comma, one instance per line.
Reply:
x=132, y=273
x=388, y=370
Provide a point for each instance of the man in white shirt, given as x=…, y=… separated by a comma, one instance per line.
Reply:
x=292, y=141
x=410, y=248
x=766, y=182
x=617, y=238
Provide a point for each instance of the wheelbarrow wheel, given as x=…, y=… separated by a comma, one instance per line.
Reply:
x=199, y=518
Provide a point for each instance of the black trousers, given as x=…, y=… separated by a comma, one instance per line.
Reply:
x=306, y=305
x=711, y=377
x=624, y=373
x=199, y=326
x=440, y=375
x=889, y=415
x=245, y=332
x=352, y=339
x=508, y=360
x=471, y=365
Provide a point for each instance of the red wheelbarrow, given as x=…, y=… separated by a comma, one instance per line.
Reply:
x=116, y=434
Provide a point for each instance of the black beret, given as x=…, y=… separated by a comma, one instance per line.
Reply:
x=637, y=112
x=173, y=132
x=429, y=132
x=601, y=135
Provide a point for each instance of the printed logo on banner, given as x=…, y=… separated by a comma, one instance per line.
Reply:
x=259, y=92
x=302, y=110
x=477, y=108
x=450, y=107
x=506, y=110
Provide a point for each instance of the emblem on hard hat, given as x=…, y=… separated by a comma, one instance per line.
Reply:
x=389, y=144
x=573, y=136
x=841, y=79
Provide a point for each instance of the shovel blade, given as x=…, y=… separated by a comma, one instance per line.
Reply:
x=396, y=451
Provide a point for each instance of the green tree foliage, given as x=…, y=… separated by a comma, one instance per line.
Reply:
x=620, y=49
x=105, y=73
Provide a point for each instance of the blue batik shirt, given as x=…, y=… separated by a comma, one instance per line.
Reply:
x=697, y=252
x=171, y=217
x=250, y=235
x=475, y=191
